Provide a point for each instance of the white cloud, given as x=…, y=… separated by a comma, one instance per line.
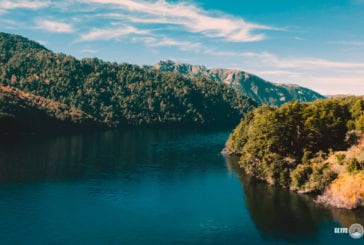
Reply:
x=323, y=75
x=309, y=63
x=276, y=73
x=108, y=34
x=188, y=16
x=339, y=84
x=336, y=82
x=6, y=5
x=224, y=53
x=304, y=63
x=53, y=26
x=165, y=41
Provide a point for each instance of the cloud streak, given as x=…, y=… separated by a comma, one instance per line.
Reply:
x=308, y=63
x=162, y=41
x=303, y=63
x=184, y=30
x=108, y=34
x=324, y=75
x=8, y=5
x=53, y=26
x=188, y=16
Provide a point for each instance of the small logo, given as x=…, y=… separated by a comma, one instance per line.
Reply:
x=356, y=231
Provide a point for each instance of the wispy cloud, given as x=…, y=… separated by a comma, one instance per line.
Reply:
x=107, y=34
x=188, y=16
x=53, y=26
x=276, y=73
x=162, y=41
x=309, y=63
x=7, y=5
x=302, y=63
x=324, y=75
x=338, y=84
x=140, y=35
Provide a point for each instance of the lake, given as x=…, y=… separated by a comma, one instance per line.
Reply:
x=149, y=187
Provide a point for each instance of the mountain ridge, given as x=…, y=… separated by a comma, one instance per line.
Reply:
x=262, y=91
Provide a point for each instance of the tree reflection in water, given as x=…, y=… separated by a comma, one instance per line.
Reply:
x=281, y=214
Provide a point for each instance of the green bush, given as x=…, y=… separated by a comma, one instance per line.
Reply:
x=320, y=178
x=359, y=123
x=300, y=175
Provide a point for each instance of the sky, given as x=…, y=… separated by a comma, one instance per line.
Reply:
x=312, y=43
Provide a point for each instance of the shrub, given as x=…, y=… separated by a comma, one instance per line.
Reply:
x=320, y=178
x=347, y=191
x=300, y=175
x=359, y=123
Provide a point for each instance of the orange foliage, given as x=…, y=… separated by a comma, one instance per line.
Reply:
x=347, y=191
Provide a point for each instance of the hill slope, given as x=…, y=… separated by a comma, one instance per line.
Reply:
x=111, y=94
x=252, y=86
x=304, y=147
x=24, y=112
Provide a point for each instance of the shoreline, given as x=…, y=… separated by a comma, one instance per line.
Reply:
x=319, y=198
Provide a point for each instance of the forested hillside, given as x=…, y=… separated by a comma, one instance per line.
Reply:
x=303, y=146
x=25, y=112
x=110, y=94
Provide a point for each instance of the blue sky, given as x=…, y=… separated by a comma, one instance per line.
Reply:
x=317, y=44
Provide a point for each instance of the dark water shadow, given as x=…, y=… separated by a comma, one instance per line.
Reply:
x=280, y=214
x=128, y=153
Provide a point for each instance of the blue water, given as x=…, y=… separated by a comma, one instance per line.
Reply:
x=149, y=187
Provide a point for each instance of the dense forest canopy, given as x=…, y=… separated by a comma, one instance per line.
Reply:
x=303, y=146
x=113, y=94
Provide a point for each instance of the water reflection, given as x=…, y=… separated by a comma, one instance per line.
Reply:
x=169, y=185
x=128, y=153
x=284, y=215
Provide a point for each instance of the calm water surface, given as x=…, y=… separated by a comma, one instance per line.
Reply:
x=149, y=187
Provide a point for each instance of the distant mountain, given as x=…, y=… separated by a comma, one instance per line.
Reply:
x=40, y=89
x=262, y=91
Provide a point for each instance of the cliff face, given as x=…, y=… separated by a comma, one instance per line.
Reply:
x=262, y=91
